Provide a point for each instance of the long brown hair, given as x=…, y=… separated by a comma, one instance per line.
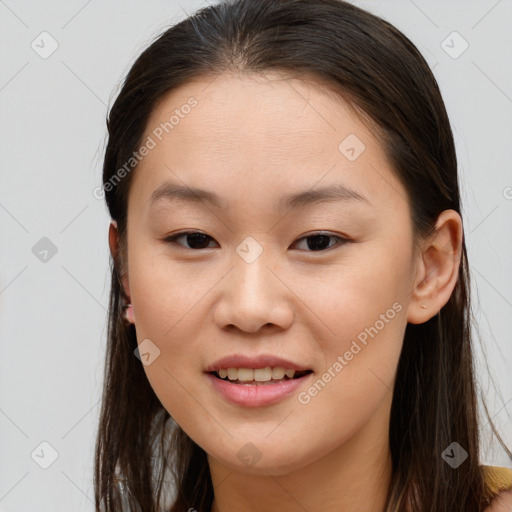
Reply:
x=141, y=454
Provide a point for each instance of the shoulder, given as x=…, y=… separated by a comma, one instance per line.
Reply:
x=499, y=481
x=502, y=503
x=497, y=478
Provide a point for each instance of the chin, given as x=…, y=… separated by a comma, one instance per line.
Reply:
x=268, y=461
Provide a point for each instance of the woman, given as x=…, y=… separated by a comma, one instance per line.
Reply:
x=252, y=364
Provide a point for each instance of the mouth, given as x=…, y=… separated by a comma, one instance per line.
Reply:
x=258, y=376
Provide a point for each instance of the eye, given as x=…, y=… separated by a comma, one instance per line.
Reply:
x=196, y=239
x=318, y=241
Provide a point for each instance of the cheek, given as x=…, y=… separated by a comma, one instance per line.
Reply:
x=357, y=378
x=168, y=313
x=339, y=311
x=363, y=304
x=363, y=352
x=166, y=294
x=168, y=299
x=355, y=293
x=357, y=299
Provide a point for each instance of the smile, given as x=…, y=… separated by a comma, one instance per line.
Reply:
x=267, y=375
x=256, y=387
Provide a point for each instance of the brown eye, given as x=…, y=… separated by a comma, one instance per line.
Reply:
x=320, y=241
x=316, y=242
x=195, y=239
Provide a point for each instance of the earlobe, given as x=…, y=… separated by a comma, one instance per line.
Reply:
x=438, y=268
x=129, y=315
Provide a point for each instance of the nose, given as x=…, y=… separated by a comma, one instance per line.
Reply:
x=252, y=297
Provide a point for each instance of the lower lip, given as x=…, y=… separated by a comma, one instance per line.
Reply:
x=254, y=395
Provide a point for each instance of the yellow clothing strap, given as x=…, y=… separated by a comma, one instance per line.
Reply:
x=498, y=478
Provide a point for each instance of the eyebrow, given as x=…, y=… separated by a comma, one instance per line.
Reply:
x=335, y=192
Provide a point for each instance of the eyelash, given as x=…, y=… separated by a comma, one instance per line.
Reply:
x=172, y=239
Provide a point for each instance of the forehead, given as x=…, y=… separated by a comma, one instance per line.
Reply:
x=253, y=110
x=259, y=137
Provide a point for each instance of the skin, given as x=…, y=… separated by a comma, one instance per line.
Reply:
x=253, y=139
x=502, y=503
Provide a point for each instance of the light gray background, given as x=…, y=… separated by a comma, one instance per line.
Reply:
x=53, y=313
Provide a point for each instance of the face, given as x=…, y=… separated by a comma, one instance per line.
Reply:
x=322, y=282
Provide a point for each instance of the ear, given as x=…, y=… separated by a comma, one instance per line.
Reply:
x=113, y=242
x=437, y=268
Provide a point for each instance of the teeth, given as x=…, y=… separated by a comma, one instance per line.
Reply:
x=278, y=372
x=263, y=374
x=245, y=374
x=257, y=374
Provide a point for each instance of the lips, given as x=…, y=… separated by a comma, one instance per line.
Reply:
x=256, y=394
x=261, y=361
x=244, y=380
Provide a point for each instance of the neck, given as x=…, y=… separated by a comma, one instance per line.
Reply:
x=354, y=477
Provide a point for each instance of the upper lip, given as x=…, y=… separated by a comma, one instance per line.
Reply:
x=261, y=361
